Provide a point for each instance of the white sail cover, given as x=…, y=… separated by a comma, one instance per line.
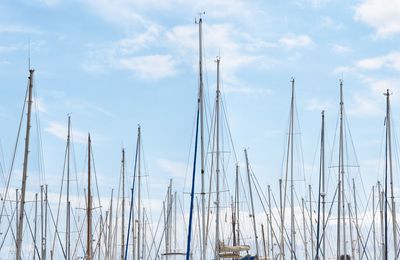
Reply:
x=225, y=248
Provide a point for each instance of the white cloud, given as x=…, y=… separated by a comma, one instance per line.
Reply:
x=383, y=16
x=391, y=61
x=177, y=169
x=317, y=3
x=13, y=28
x=315, y=104
x=136, y=17
x=341, y=49
x=387, y=61
x=184, y=37
x=49, y=2
x=379, y=86
x=329, y=23
x=83, y=105
x=7, y=49
x=245, y=90
x=4, y=62
x=119, y=12
x=102, y=59
x=364, y=106
x=149, y=67
x=60, y=130
x=237, y=49
x=131, y=12
x=138, y=42
x=292, y=41
x=40, y=106
x=33, y=46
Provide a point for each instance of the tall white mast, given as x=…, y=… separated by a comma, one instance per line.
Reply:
x=68, y=221
x=323, y=193
x=389, y=167
x=25, y=169
x=123, y=206
x=89, y=252
x=217, y=108
x=341, y=199
x=138, y=201
x=253, y=216
x=292, y=218
x=202, y=148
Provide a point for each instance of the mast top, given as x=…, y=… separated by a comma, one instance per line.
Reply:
x=341, y=92
x=29, y=55
x=292, y=81
x=200, y=14
x=387, y=93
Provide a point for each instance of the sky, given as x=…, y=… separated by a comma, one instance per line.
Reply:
x=113, y=65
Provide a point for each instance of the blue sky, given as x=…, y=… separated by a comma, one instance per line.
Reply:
x=115, y=64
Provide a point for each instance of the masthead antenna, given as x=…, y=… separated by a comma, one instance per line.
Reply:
x=200, y=14
x=29, y=54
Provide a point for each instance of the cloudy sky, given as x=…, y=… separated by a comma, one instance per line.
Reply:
x=115, y=64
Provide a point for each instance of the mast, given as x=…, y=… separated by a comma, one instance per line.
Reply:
x=237, y=207
x=282, y=238
x=253, y=216
x=144, y=234
x=35, y=229
x=268, y=241
x=42, y=232
x=341, y=199
x=133, y=230
x=131, y=208
x=202, y=148
x=311, y=221
x=24, y=170
x=292, y=218
x=175, y=225
x=289, y=167
x=170, y=216
x=98, y=246
x=217, y=171
x=322, y=194
x=139, y=194
x=381, y=203
x=68, y=221
x=189, y=234
x=45, y=221
x=263, y=238
x=270, y=221
x=233, y=215
x=123, y=206
x=108, y=250
x=168, y=221
x=356, y=216
x=304, y=228
x=89, y=209
x=389, y=167
x=353, y=254
x=16, y=212
x=373, y=220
